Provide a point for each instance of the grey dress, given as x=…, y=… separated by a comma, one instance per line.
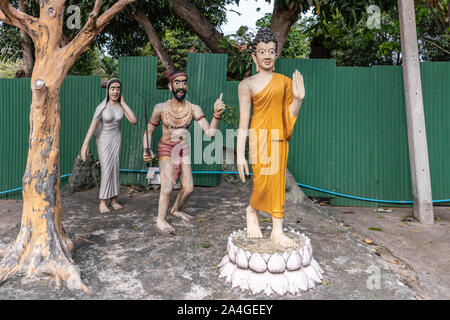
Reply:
x=109, y=139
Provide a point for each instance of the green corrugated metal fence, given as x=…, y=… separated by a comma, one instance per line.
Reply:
x=312, y=144
x=79, y=97
x=436, y=96
x=15, y=100
x=350, y=136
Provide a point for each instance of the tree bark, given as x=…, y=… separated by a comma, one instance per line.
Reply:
x=41, y=246
x=282, y=20
x=188, y=12
x=161, y=52
x=65, y=39
x=27, y=46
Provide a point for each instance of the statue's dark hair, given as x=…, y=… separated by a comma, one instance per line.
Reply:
x=264, y=35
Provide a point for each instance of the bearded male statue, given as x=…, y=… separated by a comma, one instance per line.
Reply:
x=174, y=160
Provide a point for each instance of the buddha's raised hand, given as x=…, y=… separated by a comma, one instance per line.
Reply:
x=298, y=87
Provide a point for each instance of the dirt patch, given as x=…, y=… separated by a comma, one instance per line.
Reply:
x=121, y=255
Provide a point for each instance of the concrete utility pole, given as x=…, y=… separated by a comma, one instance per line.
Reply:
x=417, y=137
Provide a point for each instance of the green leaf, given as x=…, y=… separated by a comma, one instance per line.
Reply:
x=375, y=229
x=205, y=245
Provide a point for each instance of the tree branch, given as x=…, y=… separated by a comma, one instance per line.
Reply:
x=93, y=27
x=57, y=5
x=282, y=20
x=161, y=52
x=188, y=12
x=434, y=44
x=92, y=21
x=27, y=45
x=104, y=19
x=16, y=18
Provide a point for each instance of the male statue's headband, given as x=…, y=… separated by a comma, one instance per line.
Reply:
x=172, y=77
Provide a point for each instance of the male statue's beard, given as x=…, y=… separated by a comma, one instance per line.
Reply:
x=175, y=94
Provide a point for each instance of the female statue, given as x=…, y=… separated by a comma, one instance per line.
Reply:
x=105, y=126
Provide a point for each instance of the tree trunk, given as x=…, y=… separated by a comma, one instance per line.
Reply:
x=294, y=194
x=161, y=52
x=282, y=20
x=27, y=46
x=188, y=12
x=41, y=246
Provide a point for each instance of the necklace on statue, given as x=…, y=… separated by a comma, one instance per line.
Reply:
x=177, y=119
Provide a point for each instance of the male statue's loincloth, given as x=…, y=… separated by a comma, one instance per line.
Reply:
x=176, y=151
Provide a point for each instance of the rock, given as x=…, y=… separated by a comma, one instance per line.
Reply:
x=294, y=194
x=229, y=164
x=85, y=175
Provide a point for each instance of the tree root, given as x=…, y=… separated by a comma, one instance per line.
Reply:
x=64, y=271
x=81, y=239
x=32, y=258
x=3, y=250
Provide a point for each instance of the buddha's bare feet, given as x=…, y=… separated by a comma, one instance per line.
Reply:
x=253, y=229
x=116, y=206
x=164, y=227
x=103, y=208
x=182, y=215
x=282, y=240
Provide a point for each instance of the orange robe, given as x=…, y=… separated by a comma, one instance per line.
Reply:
x=270, y=130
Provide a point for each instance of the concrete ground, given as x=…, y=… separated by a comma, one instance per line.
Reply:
x=124, y=257
x=419, y=253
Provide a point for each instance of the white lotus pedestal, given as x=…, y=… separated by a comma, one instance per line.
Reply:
x=258, y=265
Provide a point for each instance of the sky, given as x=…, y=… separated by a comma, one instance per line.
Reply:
x=249, y=15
